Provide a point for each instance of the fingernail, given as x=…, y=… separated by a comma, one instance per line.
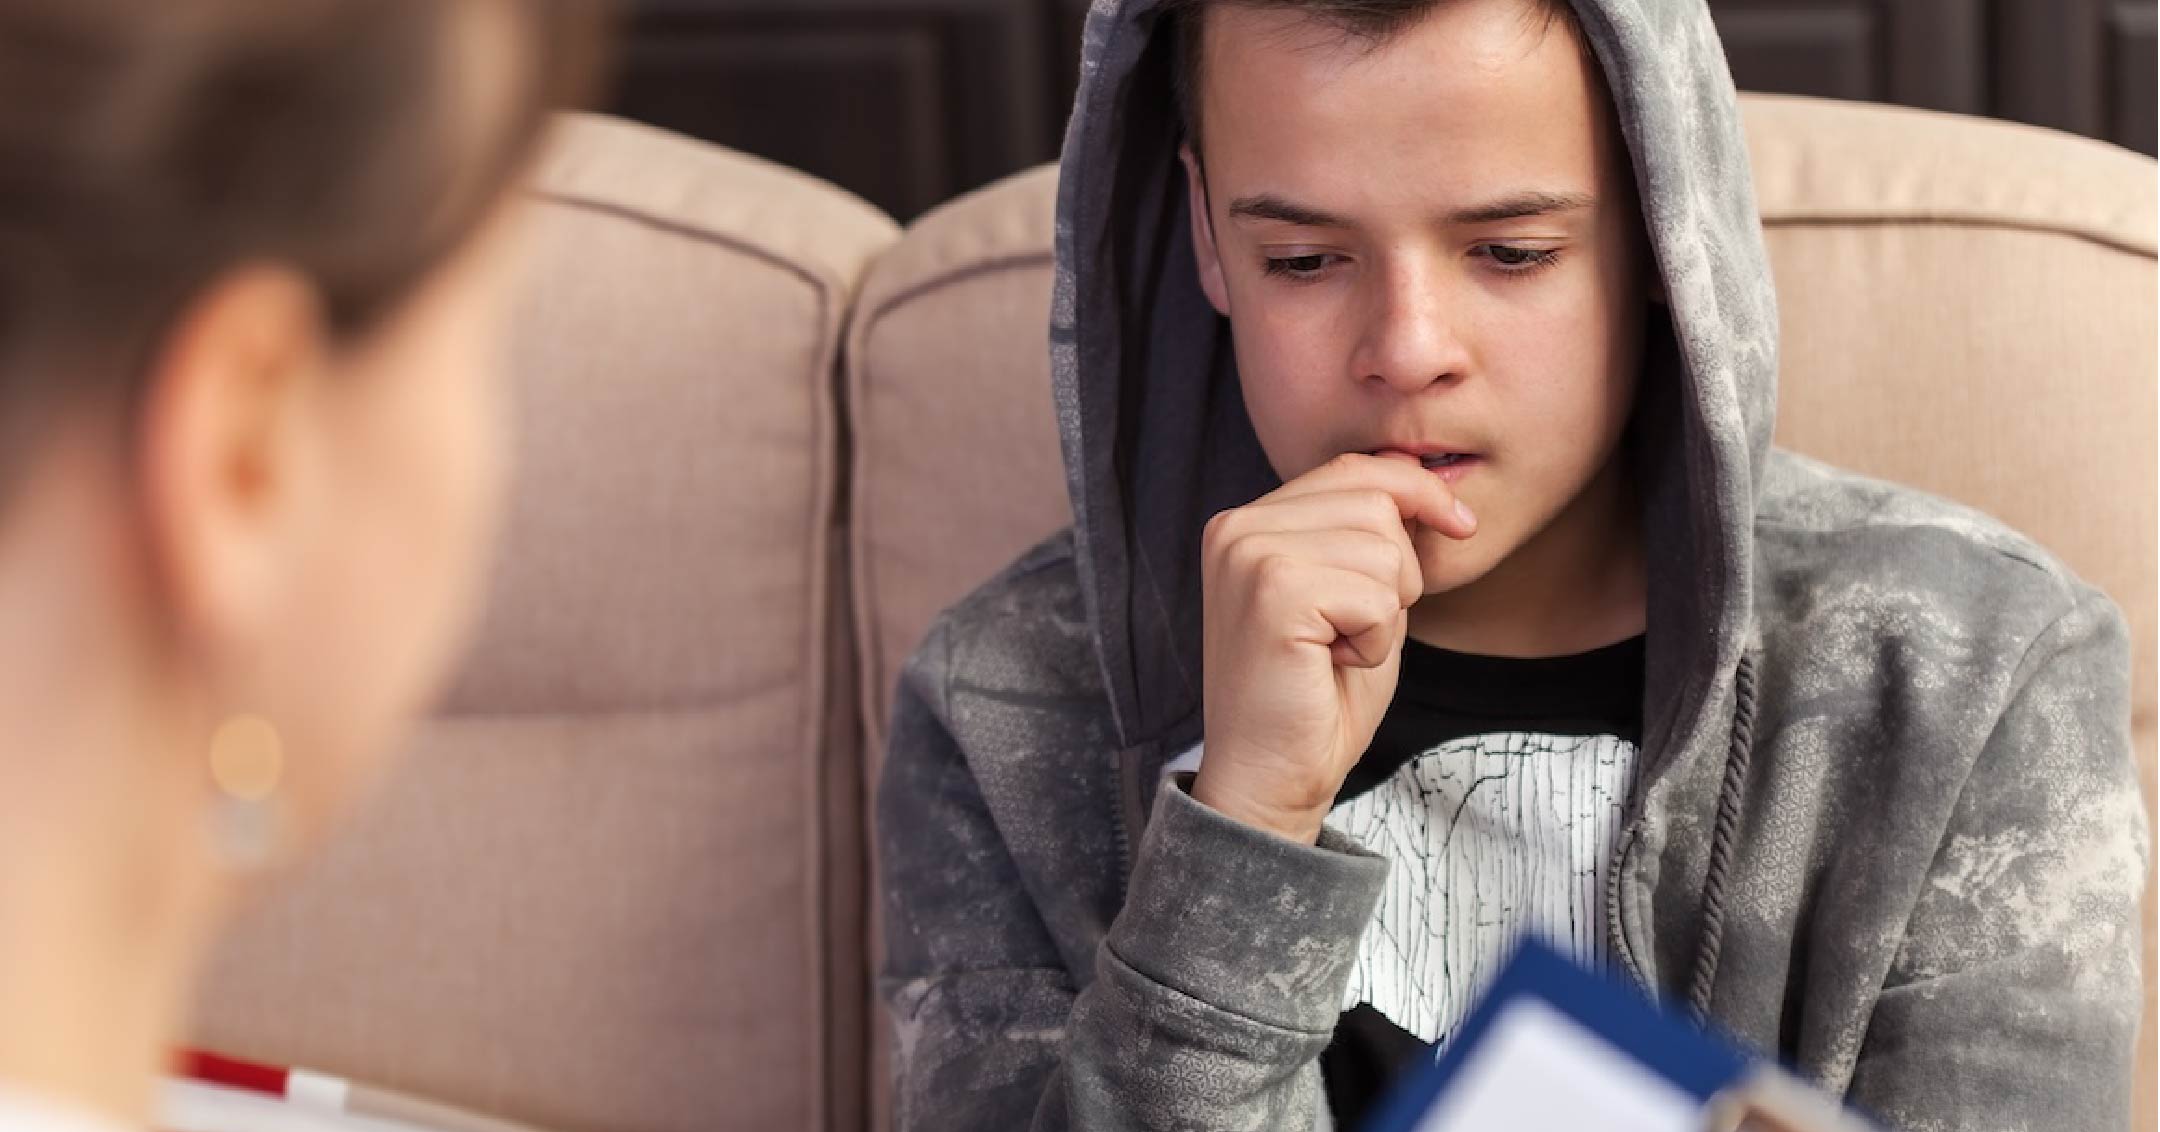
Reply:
x=1462, y=511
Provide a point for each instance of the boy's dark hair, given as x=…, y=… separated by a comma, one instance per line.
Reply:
x=1372, y=21
x=145, y=148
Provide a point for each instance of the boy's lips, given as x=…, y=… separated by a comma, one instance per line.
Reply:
x=1447, y=463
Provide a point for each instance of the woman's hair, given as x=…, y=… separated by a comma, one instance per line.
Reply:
x=148, y=147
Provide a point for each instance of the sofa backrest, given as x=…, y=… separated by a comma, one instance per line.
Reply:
x=619, y=885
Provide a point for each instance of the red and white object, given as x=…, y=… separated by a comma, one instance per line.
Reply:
x=217, y=1093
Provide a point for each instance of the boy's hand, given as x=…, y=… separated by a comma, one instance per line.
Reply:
x=1306, y=599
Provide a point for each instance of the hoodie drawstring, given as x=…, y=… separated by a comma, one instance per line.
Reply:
x=1722, y=835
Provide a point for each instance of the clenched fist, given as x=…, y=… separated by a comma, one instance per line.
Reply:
x=1306, y=599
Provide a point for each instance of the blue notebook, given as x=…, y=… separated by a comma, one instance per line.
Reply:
x=1555, y=1046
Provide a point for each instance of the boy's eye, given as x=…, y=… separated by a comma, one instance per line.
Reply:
x=1298, y=266
x=1516, y=259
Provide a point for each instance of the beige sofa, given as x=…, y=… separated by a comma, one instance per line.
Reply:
x=766, y=435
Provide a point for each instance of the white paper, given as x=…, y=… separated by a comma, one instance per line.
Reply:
x=1537, y=1070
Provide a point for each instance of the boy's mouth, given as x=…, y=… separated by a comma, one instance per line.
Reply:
x=1432, y=460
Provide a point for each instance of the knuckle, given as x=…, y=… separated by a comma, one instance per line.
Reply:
x=1393, y=556
x=1378, y=509
x=1273, y=582
x=1381, y=554
x=1272, y=573
x=1244, y=554
x=1220, y=529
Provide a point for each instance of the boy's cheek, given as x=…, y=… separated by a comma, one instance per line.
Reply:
x=1297, y=410
x=1298, y=439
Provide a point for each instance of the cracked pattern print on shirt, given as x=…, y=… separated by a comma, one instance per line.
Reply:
x=1488, y=836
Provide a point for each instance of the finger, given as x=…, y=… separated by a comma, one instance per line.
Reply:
x=1322, y=605
x=1418, y=494
x=1369, y=649
x=1361, y=508
x=1368, y=634
x=1386, y=556
x=1230, y=538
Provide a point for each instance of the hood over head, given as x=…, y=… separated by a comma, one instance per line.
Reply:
x=1155, y=433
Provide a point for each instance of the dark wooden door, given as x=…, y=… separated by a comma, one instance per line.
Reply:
x=911, y=102
x=906, y=102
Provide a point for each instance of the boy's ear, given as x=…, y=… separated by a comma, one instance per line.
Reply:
x=1206, y=257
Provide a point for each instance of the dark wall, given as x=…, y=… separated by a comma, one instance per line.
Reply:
x=910, y=102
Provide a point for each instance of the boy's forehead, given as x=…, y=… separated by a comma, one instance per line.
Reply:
x=1474, y=94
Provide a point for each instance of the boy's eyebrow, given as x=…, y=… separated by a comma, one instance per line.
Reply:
x=1519, y=205
x=1268, y=206
x=1516, y=206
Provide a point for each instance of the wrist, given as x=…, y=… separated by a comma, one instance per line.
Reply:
x=1294, y=822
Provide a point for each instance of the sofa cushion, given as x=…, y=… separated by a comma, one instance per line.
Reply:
x=609, y=891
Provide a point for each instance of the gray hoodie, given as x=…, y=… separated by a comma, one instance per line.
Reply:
x=1887, y=825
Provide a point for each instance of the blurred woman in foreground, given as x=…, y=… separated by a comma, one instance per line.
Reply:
x=252, y=263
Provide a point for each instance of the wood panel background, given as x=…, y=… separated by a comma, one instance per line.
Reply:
x=911, y=102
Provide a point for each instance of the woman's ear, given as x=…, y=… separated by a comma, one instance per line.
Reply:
x=222, y=449
x=1205, y=255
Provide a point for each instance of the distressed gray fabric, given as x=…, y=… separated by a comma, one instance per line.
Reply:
x=1888, y=825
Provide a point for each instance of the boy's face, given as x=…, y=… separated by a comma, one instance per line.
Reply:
x=1429, y=245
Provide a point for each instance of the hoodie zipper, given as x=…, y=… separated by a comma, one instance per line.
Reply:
x=1739, y=745
x=1618, y=937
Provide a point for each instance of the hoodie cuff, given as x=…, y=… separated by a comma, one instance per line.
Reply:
x=1244, y=920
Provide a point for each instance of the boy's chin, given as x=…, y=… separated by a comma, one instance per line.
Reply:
x=1450, y=564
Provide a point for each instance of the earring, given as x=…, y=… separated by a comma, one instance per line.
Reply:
x=247, y=761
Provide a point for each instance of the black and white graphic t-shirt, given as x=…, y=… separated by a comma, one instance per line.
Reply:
x=1495, y=788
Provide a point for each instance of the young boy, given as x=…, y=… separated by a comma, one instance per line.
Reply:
x=1433, y=581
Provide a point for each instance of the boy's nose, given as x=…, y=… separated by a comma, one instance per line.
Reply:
x=1412, y=340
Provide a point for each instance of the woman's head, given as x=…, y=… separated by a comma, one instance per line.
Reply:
x=252, y=258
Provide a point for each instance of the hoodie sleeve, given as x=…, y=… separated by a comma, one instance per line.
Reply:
x=1212, y=995
x=2013, y=1002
